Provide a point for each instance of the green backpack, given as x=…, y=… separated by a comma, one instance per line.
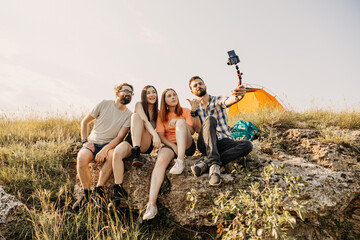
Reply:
x=244, y=130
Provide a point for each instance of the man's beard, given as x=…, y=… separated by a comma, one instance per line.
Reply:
x=201, y=93
x=125, y=100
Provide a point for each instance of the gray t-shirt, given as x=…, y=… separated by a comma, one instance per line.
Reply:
x=109, y=121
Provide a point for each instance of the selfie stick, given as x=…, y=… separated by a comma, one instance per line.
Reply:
x=234, y=60
x=238, y=73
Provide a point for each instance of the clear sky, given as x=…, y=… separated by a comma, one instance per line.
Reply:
x=69, y=55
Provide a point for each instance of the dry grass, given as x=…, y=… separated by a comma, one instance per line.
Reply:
x=34, y=157
x=316, y=119
x=270, y=124
x=35, y=154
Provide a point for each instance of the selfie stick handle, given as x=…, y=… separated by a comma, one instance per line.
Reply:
x=239, y=74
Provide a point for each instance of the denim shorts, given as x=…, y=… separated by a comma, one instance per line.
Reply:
x=97, y=147
x=189, y=152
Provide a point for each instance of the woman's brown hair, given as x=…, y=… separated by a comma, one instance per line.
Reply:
x=164, y=110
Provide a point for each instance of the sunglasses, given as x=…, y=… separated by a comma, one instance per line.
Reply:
x=127, y=92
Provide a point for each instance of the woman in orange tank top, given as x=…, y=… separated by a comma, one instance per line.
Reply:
x=174, y=126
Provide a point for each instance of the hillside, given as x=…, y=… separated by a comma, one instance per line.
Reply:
x=37, y=159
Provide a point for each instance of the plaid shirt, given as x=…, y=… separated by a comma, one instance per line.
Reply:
x=216, y=108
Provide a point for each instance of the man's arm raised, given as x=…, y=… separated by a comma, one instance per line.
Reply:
x=236, y=95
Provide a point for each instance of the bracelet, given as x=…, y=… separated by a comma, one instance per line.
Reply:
x=194, y=113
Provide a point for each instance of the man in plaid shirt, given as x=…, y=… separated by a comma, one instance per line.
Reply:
x=209, y=117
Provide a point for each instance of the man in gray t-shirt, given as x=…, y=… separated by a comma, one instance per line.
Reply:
x=111, y=126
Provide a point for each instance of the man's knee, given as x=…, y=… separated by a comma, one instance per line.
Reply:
x=208, y=124
x=118, y=155
x=107, y=163
x=247, y=146
x=83, y=160
x=110, y=154
x=121, y=151
x=210, y=121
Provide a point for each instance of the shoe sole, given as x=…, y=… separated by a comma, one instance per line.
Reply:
x=145, y=219
x=137, y=163
x=176, y=173
x=215, y=184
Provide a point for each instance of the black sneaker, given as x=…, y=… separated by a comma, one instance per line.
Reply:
x=118, y=193
x=82, y=202
x=199, y=168
x=137, y=161
x=214, y=175
x=99, y=196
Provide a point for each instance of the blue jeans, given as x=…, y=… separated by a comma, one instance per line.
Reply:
x=97, y=147
x=221, y=151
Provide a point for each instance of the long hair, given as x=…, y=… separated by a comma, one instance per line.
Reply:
x=144, y=103
x=164, y=110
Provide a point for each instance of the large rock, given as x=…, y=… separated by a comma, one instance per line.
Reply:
x=333, y=189
x=10, y=210
x=7, y=204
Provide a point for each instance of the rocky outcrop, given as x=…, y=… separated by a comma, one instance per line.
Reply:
x=331, y=171
x=7, y=204
x=10, y=209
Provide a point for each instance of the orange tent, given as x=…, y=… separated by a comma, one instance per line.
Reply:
x=254, y=99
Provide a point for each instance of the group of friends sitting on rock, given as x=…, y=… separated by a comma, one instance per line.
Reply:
x=119, y=134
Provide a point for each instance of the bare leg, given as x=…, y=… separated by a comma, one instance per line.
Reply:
x=123, y=150
x=145, y=141
x=183, y=138
x=83, y=159
x=139, y=134
x=137, y=126
x=106, y=169
x=165, y=156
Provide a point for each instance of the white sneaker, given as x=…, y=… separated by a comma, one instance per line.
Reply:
x=178, y=168
x=150, y=212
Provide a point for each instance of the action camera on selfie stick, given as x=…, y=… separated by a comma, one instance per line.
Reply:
x=234, y=60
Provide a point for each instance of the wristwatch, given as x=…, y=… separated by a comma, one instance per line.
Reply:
x=84, y=140
x=194, y=113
